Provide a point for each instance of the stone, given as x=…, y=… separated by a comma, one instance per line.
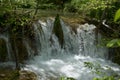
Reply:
x=58, y=31
x=27, y=75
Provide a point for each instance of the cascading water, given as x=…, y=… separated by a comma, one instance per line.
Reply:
x=9, y=60
x=53, y=62
x=5, y=37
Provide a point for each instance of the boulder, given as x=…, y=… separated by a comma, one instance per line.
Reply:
x=58, y=31
x=27, y=75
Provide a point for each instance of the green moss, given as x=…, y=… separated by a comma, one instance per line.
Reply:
x=9, y=74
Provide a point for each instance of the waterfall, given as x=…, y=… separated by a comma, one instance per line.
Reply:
x=9, y=59
x=53, y=62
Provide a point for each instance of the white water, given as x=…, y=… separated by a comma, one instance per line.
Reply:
x=54, y=62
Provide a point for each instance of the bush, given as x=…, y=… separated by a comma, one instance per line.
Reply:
x=47, y=6
x=26, y=5
x=70, y=8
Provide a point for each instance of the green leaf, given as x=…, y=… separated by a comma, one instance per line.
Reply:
x=117, y=15
x=118, y=42
x=96, y=79
x=62, y=78
x=112, y=42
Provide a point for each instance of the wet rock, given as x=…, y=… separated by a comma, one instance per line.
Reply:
x=27, y=75
x=19, y=49
x=22, y=51
x=58, y=31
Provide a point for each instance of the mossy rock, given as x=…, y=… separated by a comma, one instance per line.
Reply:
x=22, y=51
x=6, y=74
x=27, y=75
x=3, y=50
x=58, y=31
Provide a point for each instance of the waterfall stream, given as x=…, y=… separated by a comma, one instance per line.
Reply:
x=53, y=62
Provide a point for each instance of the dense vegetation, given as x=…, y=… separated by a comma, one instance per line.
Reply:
x=17, y=16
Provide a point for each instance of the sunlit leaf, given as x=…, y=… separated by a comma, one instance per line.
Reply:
x=95, y=79
x=118, y=42
x=117, y=15
x=62, y=78
x=111, y=43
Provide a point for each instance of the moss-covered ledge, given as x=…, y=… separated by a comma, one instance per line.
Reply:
x=7, y=74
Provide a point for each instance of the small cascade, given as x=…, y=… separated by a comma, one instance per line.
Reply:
x=8, y=46
x=53, y=62
x=7, y=61
x=55, y=51
x=86, y=35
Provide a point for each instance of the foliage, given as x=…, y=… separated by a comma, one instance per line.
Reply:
x=97, y=68
x=47, y=6
x=70, y=8
x=18, y=3
x=117, y=15
x=84, y=6
x=51, y=4
x=17, y=23
x=13, y=21
x=98, y=9
x=88, y=64
x=67, y=78
x=105, y=78
x=115, y=42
